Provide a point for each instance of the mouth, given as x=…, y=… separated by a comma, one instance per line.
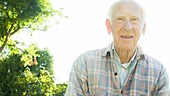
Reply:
x=126, y=37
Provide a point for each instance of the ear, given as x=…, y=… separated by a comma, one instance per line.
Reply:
x=144, y=28
x=108, y=25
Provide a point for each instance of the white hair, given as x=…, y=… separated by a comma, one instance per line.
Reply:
x=114, y=5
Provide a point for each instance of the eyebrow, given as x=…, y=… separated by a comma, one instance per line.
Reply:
x=121, y=15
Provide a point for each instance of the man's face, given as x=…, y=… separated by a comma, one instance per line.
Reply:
x=127, y=25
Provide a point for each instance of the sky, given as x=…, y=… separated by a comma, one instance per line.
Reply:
x=84, y=29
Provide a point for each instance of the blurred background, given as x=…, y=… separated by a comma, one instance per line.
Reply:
x=79, y=25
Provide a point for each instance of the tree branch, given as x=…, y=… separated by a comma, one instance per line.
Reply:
x=15, y=30
x=7, y=37
x=7, y=14
x=5, y=42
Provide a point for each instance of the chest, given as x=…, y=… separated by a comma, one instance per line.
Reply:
x=103, y=78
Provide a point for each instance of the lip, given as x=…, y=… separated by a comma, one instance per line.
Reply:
x=127, y=37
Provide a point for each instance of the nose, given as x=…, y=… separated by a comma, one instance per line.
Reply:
x=128, y=26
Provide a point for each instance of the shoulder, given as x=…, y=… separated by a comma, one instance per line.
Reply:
x=89, y=57
x=155, y=65
x=161, y=73
x=86, y=59
x=92, y=53
x=153, y=68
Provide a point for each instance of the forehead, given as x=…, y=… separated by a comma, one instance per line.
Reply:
x=127, y=8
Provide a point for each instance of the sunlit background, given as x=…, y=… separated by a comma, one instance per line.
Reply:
x=84, y=29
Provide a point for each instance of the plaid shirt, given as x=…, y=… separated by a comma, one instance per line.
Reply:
x=95, y=73
x=125, y=69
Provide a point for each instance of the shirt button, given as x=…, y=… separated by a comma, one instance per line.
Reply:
x=115, y=74
x=122, y=92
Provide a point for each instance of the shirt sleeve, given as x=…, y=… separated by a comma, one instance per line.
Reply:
x=162, y=87
x=78, y=85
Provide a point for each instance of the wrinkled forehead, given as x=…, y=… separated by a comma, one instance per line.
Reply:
x=127, y=6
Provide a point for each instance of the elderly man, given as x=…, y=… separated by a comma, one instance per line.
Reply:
x=122, y=68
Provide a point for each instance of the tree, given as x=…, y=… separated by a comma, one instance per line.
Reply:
x=19, y=14
x=45, y=61
x=19, y=77
x=9, y=72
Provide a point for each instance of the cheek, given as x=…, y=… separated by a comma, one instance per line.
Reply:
x=116, y=28
x=137, y=35
x=138, y=30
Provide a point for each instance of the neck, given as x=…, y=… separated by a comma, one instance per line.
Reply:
x=125, y=55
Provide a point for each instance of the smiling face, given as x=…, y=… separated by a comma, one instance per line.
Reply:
x=126, y=25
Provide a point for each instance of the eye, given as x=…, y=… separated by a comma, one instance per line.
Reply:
x=119, y=18
x=135, y=20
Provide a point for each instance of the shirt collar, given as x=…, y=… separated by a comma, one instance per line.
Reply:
x=131, y=58
x=109, y=50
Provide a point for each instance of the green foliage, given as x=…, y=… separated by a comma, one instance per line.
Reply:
x=29, y=84
x=19, y=14
x=9, y=72
x=45, y=60
x=25, y=71
x=28, y=54
x=61, y=89
x=35, y=79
